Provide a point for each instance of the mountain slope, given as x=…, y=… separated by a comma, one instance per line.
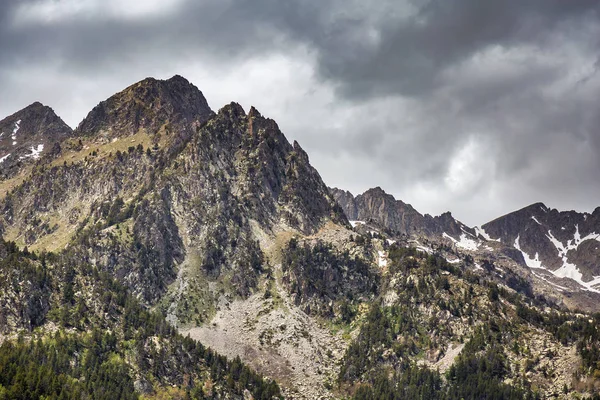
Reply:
x=68, y=330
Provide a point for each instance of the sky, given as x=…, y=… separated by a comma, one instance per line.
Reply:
x=477, y=107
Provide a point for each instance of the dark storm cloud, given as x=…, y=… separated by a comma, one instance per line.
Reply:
x=451, y=104
x=412, y=51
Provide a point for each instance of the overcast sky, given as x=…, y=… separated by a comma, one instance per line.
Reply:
x=477, y=107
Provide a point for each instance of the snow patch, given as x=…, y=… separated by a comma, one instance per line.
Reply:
x=2, y=159
x=569, y=270
x=531, y=262
x=560, y=288
x=15, y=130
x=382, y=259
x=355, y=223
x=483, y=234
x=390, y=241
x=35, y=152
x=424, y=249
x=464, y=242
x=535, y=219
x=467, y=232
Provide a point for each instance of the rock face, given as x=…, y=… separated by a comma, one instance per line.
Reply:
x=27, y=135
x=375, y=205
x=567, y=243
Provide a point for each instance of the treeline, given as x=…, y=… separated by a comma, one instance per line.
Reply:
x=478, y=373
x=106, y=344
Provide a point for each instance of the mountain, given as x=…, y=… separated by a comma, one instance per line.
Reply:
x=27, y=135
x=160, y=229
x=178, y=203
x=377, y=206
x=554, y=244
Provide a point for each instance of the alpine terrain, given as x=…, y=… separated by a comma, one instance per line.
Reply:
x=166, y=250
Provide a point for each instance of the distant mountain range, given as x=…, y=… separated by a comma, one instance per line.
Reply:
x=559, y=246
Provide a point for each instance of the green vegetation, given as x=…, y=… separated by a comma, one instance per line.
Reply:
x=382, y=361
x=104, y=344
x=317, y=274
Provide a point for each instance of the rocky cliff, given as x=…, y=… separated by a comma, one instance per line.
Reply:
x=377, y=206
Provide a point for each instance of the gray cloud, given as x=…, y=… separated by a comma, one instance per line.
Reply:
x=474, y=106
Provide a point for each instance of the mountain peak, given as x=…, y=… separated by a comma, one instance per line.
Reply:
x=233, y=110
x=377, y=191
x=539, y=206
x=35, y=105
x=254, y=112
x=151, y=104
x=178, y=78
x=27, y=134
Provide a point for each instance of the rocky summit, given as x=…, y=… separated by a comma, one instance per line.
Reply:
x=165, y=250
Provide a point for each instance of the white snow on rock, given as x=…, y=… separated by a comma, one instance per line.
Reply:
x=467, y=232
x=2, y=159
x=390, y=241
x=464, y=242
x=35, y=152
x=560, y=288
x=424, y=249
x=354, y=223
x=569, y=270
x=535, y=219
x=15, y=130
x=483, y=233
x=382, y=259
x=531, y=262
